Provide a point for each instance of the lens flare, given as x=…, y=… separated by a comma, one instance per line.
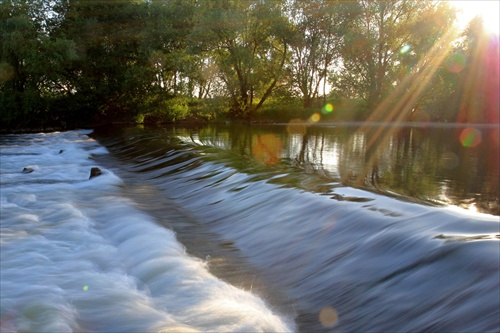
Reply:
x=328, y=108
x=296, y=126
x=85, y=288
x=6, y=72
x=495, y=137
x=328, y=316
x=315, y=118
x=267, y=148
x=470, y=137
x=449, y=160
x=405, y=49
x=456, y=63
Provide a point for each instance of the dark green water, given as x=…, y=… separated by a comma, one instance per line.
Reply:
x=438, y=165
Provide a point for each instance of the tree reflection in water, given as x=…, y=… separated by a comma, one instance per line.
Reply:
x=424, y=164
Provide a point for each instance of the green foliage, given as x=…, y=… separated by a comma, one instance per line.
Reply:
x=385, y=45
x=249, y=42
x=282, y=110
x=319, y=29
x=80, y=62
x=184, y=108
x=208, y=109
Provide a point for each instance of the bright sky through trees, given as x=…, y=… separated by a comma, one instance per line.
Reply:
x=488, y=10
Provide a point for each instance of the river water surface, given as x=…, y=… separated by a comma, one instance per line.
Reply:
x=252, y=228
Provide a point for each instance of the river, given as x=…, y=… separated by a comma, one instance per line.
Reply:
x=238, y=228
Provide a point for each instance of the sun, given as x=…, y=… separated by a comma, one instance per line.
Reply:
x=489, y=11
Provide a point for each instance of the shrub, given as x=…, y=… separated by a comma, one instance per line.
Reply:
x=282, y=110
x=165, y=111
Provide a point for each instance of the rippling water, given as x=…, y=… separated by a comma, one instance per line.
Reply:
x=77, y=255
x=279, y=234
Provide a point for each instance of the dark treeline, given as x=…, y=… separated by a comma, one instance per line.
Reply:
x=68, y=63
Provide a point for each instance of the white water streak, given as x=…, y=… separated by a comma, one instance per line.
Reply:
x=76, y=256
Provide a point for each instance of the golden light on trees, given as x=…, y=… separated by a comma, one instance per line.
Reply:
x=488, y=11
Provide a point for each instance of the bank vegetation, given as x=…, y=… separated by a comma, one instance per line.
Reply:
x=69, y=63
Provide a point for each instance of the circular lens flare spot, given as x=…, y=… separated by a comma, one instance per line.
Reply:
x=267, y=148
x=6, y=72
x=470, y=137
x=328, y=316
x=405, y=49
x=85, y=288
x=328, y=108
x=455, y=63
x=315, y=118
x=296, y=126
x=449, y=160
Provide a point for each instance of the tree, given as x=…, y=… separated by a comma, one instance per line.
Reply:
x=71, y=61
x=30, y=63
x=478, y=83
x=249, y=41
x=168, y=26
x=320, y=25
x=111, y=74
x=386, y=45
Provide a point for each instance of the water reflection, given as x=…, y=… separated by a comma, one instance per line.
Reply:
x=437, y=165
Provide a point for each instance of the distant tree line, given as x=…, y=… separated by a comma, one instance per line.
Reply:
x=74, y=62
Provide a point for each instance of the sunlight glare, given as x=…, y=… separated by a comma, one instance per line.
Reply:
x=470, y=137
x=315, y=117
x=328, y=316
x=488, y=10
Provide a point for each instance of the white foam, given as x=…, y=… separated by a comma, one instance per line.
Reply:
x=76, y=256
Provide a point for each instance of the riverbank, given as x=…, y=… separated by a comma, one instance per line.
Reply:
x=255, y=122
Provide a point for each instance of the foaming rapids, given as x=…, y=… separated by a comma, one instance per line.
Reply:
x=78, y=256
x=349, y=260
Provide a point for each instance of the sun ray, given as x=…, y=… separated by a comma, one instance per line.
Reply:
x=481, y=94
x=407, y=94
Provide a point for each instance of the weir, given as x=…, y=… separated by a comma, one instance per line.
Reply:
x=364, y=257
x=185, y=231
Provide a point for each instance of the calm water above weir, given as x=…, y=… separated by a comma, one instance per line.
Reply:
x=286, y=227
x=437, y=165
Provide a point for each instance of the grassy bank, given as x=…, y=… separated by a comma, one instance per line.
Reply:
x=279, y=110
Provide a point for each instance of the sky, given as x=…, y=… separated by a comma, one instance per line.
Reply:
x=489, y=10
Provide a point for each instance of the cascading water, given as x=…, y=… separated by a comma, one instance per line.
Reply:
x=76, y=255
x=273, y=244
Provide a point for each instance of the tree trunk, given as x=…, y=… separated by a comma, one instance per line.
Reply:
x=273, y=84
